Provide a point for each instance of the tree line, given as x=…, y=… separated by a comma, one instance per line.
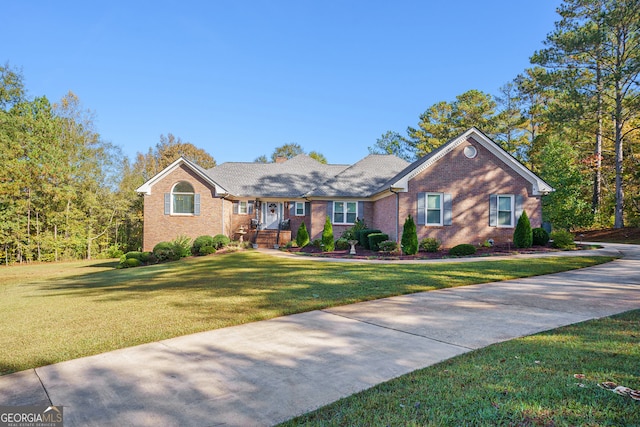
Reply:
x=573, y=118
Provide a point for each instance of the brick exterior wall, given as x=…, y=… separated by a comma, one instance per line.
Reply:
x=470, y=183
x=384, y=217
x=159, y=227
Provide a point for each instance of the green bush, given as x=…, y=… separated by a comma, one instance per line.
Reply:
x=199, y=243
x=388, y=246
x=429, y=244
x=207, y=250
x=165, y=251
x=362, y=236
x=129, y=262
x=316, y=243
x=342, y=244
x=409, y=240
x=562, y=239
x=182, y=246
x=328, y=245
x=375, y=239
x=220, y=241
x=351, y=232
x=540, y=237
x=147, y=257
x=522, y=236
x=463, y=249
x=134, y=255
x=113, y=252
x=302, y=236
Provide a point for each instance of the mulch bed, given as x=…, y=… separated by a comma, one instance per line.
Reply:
x=497, y=250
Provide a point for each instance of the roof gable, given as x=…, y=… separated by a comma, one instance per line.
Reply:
x=147, y=186
x=540, y=187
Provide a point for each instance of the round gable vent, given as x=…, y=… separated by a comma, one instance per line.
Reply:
x=470, y=151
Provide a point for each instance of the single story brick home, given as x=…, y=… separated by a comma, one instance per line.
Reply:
x=467, y=191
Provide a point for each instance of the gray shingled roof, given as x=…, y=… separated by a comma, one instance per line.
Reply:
x=293, y=178
x=304, y=176
x=363, y=179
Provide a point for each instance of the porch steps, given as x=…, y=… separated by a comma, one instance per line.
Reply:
x=269, y=238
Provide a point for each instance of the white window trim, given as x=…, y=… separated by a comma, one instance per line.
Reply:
x=295, y=209
x=426, y=210
x=242, y=203
x=512, y=207
x=174, y=193
x=344, y=213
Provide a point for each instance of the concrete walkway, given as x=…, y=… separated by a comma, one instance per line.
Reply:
x=266, y=372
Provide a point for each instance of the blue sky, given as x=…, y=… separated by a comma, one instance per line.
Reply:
x=239, y=78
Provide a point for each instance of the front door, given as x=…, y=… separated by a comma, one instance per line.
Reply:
x=271, y=214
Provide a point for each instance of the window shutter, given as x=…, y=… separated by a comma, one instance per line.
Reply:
x=196, y=204
x=360, y=210
x=250, y=205
x=307, y=208
x=422, y=211
x=236, y=208
x=330, y=210
x=447, y=211
x=292, y=209
x=519, y=206
x=493, y=210
x=167, y=203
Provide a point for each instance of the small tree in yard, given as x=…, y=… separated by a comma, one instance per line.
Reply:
x=409, y=237
x=302, y=236
x=523, y=235
x=327, y=236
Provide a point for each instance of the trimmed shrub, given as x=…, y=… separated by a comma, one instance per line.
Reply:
x=165, y=251
x=522, y=236
x=199, y=243
x=147, y=257
x=316, y=243
x=430, y=244
x=220, y=241
x=562, y=239
x=375, y=239
x=302, y=236
x=133, y=255
x=129, y=262
x=182, y=246
x=409, y=240
x=540, y=237
x=342, y=244
x=463, y=249
x=328, y=245
x=207, y=250
x=363, y=236
x=388, y=246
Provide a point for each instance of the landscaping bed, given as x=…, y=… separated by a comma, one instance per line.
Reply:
x=481, y=251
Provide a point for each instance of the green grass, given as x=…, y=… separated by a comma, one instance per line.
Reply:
x=525, y=382
x=57, y=312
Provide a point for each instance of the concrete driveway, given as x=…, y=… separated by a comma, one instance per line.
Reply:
x=266, y=372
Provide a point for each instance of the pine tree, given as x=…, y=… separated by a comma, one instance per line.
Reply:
x=409, y=237
x=327, y=236
x=523, y=235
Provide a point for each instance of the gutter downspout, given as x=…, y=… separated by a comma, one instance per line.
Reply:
x=397, y=214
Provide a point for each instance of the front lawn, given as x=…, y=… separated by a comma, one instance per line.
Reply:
x=57, y=312
x=548, y=379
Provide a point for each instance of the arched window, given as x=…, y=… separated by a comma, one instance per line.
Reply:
x=182, y=199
